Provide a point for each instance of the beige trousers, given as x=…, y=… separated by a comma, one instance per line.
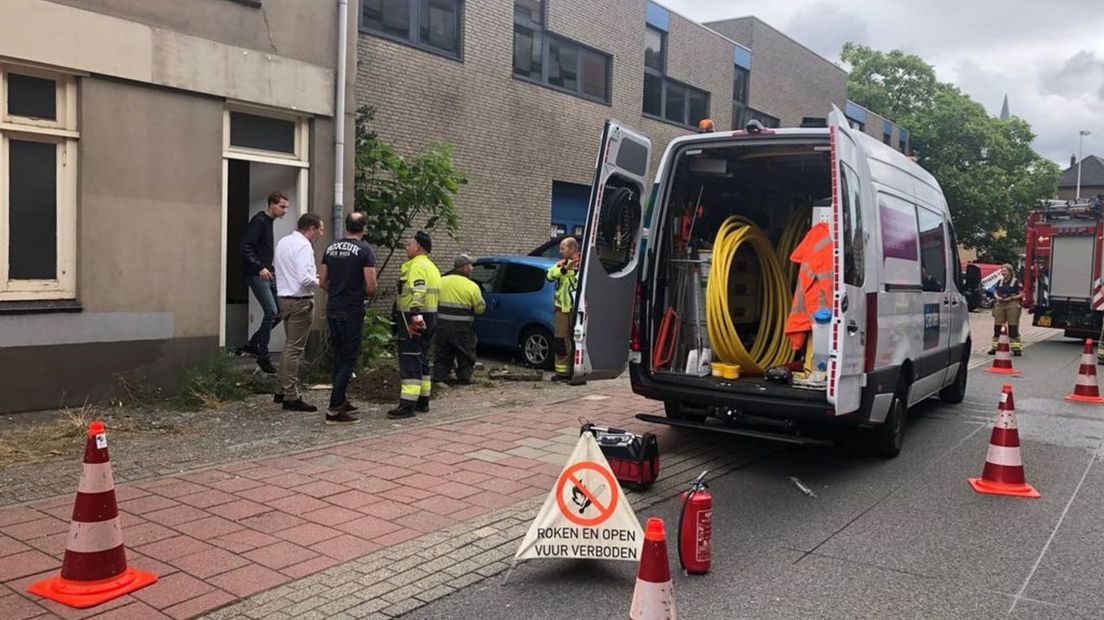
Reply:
x=296, y=315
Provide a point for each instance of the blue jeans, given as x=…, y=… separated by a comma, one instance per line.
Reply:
x=265, y=292
x=345, y=335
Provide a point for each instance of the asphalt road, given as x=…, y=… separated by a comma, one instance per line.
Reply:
x=906, y=537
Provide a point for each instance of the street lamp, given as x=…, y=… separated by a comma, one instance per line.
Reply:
x=1080, y=141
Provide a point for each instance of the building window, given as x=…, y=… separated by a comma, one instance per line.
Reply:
x=38, y=179
x=555, y=61
x=664, y=98
x=262, y=133
x=259, y=134
x=766, y=120
x=434, y=25
x=740, y=82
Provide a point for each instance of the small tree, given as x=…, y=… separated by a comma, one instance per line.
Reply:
x=398, y=193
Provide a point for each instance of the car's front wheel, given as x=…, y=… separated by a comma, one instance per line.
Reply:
x=536, y=348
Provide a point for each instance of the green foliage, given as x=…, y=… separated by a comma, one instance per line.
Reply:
x=989, y=174
x=398, y=193
x=214, y=383
x=378, y=343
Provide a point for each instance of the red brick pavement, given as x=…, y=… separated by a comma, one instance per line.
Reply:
x=221, y=534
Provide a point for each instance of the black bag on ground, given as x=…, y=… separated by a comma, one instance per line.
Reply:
x=633, y=458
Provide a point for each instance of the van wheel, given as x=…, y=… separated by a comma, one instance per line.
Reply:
x=956, y=392
x=675, y=411
x=888, y=438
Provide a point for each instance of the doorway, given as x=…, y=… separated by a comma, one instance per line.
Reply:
x=248, y=184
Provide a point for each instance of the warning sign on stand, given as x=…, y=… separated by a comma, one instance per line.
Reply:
x=586, y=515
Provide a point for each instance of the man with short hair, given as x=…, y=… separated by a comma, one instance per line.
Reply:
x=296, y=283
x=563, y=273
x=415, y=316
x=257, y=255
x=348, y=274
x=461, y=301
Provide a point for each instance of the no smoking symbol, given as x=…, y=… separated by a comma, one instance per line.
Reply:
x=570, y=477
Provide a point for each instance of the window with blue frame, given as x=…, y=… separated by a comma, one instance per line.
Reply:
x=558, y=62
x=434, y=25
x=664, y=98
x=740, y=81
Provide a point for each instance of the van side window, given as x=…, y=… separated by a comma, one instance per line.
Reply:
x=956, y=261
x=933, y=251
x=853, y=242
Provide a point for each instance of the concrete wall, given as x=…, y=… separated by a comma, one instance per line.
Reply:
x=512, y=137
x=788, y=81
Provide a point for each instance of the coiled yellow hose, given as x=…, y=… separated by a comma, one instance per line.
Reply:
x=771, y=347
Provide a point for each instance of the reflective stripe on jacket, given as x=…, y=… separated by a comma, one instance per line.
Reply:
x=419, y=285
x=461, y=299
x=565, y=280
x=814, y=282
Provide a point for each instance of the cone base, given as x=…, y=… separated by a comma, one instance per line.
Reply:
x=1096, y=400
x=85, y=594
x=1002, y=371
x=1001, y=488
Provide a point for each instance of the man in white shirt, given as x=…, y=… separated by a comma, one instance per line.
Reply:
x=296, y=283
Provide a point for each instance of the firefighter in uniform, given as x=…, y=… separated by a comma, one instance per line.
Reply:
x=563, y=273
x=461, y=301
x=415, y=317
x=1006, y=309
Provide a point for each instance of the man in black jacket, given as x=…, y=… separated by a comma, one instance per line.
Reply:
x=257, y=252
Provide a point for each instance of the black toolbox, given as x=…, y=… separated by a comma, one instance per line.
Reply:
x=633, y=458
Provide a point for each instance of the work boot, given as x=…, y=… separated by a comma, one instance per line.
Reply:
x=401, y=412
x=993, y=349
x=423, y=404
x=265, y=365
x=1017, y=347
x=348, y=407
x=277, y=398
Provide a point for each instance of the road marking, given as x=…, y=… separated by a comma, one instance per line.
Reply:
x=1054, y=532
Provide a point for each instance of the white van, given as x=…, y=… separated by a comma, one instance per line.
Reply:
x=694, y=287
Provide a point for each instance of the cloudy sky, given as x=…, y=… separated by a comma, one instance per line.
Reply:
x=1048, y=56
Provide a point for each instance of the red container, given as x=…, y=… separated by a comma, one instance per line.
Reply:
x=633, y=458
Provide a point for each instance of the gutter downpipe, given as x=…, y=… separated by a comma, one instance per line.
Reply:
x=339, y=117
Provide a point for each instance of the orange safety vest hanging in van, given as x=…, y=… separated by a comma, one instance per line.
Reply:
x=814, y=282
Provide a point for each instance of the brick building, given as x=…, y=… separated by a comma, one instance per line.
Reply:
x=521, y=88
x=136, y=139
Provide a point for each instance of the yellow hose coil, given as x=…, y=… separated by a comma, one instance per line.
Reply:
x=771, y=347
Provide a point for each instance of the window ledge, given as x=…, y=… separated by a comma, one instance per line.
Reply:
x=668, y=122
x=40, y=307
x=436, y=51
x=250, y=3
x=590, y=98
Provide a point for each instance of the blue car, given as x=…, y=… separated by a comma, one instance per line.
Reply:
x=519, y=306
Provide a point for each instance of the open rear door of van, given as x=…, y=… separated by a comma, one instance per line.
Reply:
x=850, y=174
x=602, y=315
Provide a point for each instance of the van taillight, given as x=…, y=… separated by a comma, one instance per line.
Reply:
x=638, y=301
x=870, y=352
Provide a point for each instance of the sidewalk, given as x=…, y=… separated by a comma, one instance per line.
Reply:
x=232, y=531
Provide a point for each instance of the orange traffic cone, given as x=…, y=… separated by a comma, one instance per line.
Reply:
x=654, y=596
x=1004, y=471
x=95, y=569
x=1002, y=363
x=1086, y=390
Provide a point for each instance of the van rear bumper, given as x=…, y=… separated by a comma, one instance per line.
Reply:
x=797, y=405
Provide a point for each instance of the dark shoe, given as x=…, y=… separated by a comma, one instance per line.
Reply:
x=559, y=378
x=299, y=405
x=401, y=412
x=277, y=398
x=265, y=364
x=348, y=407
x=1017, y=353
x=993, y=351
x=341, y=417
x=423, y=404
x=248, y=349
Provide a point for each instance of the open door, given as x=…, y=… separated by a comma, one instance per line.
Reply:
x=610, y=261
x=848, y=337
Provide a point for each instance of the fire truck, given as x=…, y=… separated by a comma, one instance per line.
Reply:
x=1062, y=278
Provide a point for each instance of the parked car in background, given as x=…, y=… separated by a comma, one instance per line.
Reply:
x=519, y=306
x=550, y=248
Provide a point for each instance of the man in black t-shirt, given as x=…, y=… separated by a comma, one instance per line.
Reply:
x=348, y=274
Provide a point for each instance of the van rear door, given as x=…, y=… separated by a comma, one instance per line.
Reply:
x=602, y=315
x=850, y=175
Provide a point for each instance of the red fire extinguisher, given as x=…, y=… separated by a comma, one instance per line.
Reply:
x=696, y=528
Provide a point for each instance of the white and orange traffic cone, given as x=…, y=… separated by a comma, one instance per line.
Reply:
x=654, y=596
x=1004, y=471
x=1087, y=390
x=1002, y=363
x=95, y=569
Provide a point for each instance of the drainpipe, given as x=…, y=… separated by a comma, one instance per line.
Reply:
x=339, y=117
